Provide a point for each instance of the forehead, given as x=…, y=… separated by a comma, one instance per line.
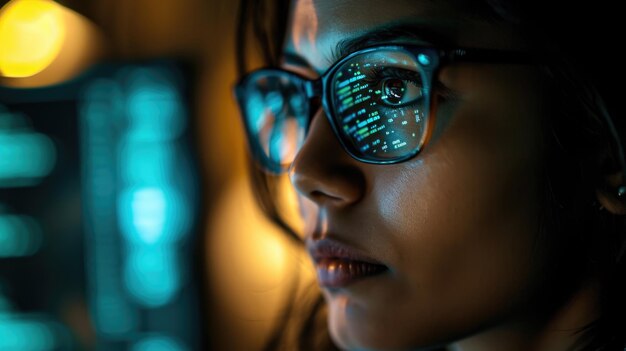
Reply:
x=317, y=28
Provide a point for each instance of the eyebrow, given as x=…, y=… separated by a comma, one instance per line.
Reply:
x=424, y=32
x=436, y=34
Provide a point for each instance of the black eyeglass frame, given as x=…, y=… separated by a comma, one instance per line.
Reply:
x=320, y=87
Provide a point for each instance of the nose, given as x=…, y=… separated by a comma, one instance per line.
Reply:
x=322, y=170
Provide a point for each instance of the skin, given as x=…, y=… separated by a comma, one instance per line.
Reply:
x=458, y=224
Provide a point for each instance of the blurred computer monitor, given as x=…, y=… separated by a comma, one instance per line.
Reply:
x=99, y=212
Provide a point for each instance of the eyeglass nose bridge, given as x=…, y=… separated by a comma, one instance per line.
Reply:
x=314, y=88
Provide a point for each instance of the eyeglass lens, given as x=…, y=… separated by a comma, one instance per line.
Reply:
x=379, y=101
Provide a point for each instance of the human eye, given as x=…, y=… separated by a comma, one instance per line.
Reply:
x=398, y=87
x=395, y=87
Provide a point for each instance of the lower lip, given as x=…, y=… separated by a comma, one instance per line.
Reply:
x=337, y=273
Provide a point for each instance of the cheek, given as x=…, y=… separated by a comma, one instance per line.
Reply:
x=462, y=219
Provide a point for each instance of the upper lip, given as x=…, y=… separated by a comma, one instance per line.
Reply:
x=329, y=248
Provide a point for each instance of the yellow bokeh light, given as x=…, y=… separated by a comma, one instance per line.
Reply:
x=31, y=36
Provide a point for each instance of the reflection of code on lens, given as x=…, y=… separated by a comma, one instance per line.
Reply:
x=380, y=104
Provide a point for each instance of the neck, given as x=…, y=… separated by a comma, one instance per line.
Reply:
x=557, y=332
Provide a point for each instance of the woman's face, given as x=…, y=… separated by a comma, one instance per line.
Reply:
x=456, y=226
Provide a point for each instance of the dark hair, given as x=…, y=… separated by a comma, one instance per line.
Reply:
x=580, y=149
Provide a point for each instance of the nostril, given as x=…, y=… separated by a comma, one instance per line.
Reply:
x=318, y=196
x=325, y=199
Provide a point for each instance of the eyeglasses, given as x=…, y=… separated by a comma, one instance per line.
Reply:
x=380, y=102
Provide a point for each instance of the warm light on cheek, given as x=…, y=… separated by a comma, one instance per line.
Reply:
x=306, y=24
x=31, y=36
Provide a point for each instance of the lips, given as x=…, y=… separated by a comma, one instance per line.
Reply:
x=339, y=265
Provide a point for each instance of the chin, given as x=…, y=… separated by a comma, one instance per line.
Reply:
x=352, y=328
x=347, y=341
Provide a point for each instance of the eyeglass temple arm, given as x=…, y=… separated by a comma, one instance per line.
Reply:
x=313, y=88
x=488, y=56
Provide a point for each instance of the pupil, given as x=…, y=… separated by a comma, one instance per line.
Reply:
x=394, y=90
